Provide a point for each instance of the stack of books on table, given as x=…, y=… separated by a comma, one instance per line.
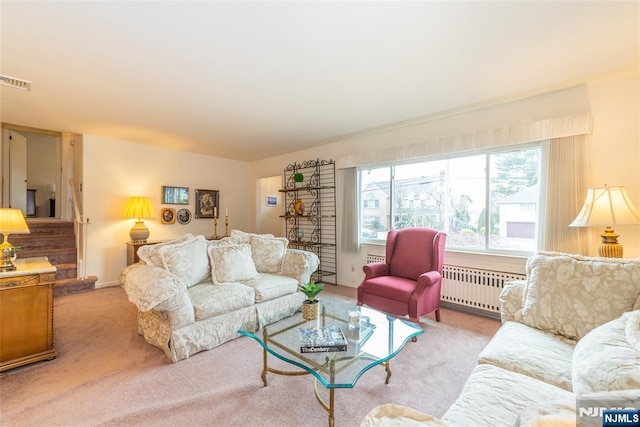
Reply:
x=322, y=339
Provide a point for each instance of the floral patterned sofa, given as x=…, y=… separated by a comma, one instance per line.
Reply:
x=193, y=294
x=570, y=334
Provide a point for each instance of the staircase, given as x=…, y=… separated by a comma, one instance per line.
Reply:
x=56, y=240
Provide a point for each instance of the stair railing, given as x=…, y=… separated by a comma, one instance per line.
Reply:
x=81, y=232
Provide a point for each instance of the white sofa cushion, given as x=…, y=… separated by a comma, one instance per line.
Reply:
x=187, y=259
x=571, y=294
x=245, y=237
x=210, y=300
x=150, y=254
x=526, y=350
x=608, y=357
x=553, y=414
x=268, y=253
x=231, y=263
x=271, y=286
x=493, y=396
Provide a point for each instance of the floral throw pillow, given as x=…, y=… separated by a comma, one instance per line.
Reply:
x=187, y=260
x=231, y=264
x=268, y=253
x=608, y=357
x=572, y=294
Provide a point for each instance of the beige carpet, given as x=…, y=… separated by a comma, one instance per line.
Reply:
x=106, y=375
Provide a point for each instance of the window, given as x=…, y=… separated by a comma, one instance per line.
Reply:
x=484, y=202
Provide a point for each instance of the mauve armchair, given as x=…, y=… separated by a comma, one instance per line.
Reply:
x=409, y=281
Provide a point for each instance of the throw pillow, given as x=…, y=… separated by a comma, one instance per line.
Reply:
x=245, y=237
x=232, y=264
x=150, y=254
x=268, y=253
x=608, y=357
x=572, y=294
x=187, y=260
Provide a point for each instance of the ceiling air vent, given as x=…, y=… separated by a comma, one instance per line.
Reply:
x=15, y=82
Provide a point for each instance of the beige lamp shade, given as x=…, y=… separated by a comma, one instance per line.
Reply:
x=11, y=222
x=139, y=208
x=607, y=206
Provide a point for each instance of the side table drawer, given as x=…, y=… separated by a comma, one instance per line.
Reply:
x=20, y=281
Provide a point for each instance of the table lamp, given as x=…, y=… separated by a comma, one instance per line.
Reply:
x=139, y=208
x=607, y=206
x=11, y=222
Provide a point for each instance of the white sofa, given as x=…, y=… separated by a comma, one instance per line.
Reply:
x=570, y=335
x=193, y=294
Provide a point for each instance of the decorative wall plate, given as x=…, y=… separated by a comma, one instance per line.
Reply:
x=184, y=216
x=168, y=216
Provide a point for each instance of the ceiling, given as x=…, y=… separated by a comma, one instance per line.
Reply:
x=250, y=80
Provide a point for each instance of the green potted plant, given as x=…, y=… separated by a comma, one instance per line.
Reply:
x=297, y=179
x=311, y=290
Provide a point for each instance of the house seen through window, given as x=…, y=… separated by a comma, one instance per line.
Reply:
x=484, y=202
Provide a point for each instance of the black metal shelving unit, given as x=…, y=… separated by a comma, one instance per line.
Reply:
x=315, y=229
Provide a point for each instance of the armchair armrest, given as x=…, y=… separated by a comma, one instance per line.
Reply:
x=375, y=269
x=511, y=300
x=427, y=279
x=300, y=264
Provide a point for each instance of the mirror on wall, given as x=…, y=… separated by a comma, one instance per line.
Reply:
x=31, y=171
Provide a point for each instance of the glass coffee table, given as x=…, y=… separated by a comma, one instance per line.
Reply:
x=377, y=339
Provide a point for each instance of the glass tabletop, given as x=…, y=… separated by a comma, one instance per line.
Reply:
x=378, y=338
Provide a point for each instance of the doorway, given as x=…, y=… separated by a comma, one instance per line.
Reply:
x=31, y=171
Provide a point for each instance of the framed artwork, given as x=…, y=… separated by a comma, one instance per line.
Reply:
x=206, y=203
x=175, y=195
x=184, y=216
x=271, y=201
x=168, y=215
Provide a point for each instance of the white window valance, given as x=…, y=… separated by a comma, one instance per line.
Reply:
x=555, y=127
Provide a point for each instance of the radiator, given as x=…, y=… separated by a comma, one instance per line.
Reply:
x=375, y=258
x=475, y=289
x=472, y=289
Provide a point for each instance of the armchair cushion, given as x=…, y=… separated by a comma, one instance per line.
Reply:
x=571, y=294
x=231, y=263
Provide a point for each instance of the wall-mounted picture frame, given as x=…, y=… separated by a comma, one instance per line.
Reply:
x=184, y=216
x=167, y=215
x=271, y=201
x=175, y=195
x=206, y=203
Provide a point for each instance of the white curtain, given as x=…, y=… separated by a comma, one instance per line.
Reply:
x=565, y=191
x=349, y=215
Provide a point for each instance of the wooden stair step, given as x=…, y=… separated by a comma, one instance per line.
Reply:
x=73, y=286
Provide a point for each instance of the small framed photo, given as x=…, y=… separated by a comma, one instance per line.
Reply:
x=184, y=216
x=175, y=195
x=168, y=215
x=271, y=201
x=206, y=203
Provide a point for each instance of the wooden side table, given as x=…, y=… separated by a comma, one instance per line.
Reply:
x=132, y=250
x=26, y=313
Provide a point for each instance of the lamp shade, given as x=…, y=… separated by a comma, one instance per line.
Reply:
x=139, y=208
x=12, y=222
x=607, y=206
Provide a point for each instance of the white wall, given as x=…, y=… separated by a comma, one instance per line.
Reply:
x=115, y=170
x=614, y=144
x=268, y=219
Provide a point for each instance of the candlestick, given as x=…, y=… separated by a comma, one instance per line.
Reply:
x=215, y=228
x=215, y=212
x=226, y=226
